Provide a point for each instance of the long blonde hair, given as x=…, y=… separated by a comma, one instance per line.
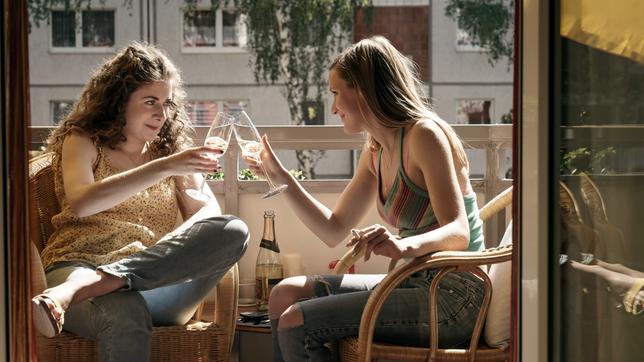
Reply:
x=388, y=82
x=100, y=110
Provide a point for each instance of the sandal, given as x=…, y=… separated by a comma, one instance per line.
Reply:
x=43, y=318
x=630, y=306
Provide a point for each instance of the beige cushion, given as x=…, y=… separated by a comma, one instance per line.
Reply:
x=497, y=323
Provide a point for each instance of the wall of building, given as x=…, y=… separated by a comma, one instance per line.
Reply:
x=459, y=74
x=422, y=32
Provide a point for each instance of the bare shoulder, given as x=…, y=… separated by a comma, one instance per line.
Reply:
x=366, y=159
x=426, y=136
x=80, y=146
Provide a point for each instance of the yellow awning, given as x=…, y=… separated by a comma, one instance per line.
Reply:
x=615, y=26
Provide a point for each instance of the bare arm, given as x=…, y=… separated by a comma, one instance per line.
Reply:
x=331, y=226
x=87, y=196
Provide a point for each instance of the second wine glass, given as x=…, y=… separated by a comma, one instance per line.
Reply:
x=250, y=143
x=218, y=137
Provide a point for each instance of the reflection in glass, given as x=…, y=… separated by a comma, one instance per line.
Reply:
x=98, y=28
x=232, y=29
x=599, y=275
x=199, y=29
x=63, y=29
x=60, y=109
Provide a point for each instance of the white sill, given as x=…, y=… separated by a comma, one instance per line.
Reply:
x=87, y=50
x=213, y=50
x=471, y=49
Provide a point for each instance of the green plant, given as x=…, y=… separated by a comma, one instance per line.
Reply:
x=248, y=175
x=217, y=176
x=291, y=43
x=487, y=23
x=585, y=159
x=298, y=174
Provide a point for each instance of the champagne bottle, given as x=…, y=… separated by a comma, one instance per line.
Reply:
x=268, y=268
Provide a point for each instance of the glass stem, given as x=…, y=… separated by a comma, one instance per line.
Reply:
x=203, y=183
x=270, y=182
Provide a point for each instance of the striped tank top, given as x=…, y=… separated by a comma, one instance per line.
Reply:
x=408, y=207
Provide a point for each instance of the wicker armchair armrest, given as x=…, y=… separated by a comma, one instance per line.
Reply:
x=220, y=306
x=447, y=261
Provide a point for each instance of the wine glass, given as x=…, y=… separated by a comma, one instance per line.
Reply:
x=251, y=146
x=218, y=137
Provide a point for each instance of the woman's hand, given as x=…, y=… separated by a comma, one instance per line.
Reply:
x=191, y=161
x=379, y=240
x=271, y=164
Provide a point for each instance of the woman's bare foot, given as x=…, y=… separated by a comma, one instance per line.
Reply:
x=626, y=288
x=50, y=306
x=618, y=282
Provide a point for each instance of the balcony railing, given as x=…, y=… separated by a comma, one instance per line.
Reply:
x=493, y=139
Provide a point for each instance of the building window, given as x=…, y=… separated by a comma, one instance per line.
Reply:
x=96, y=29
x=474, y=111
x=213, y=30
x=464, y=42
x=203, y=112
x=59, y=110
x=313, y=113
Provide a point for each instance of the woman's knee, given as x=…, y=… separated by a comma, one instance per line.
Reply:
x=286, y=293
x=292, y=317
x=229, y=232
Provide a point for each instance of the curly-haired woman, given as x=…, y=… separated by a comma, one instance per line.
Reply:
x=117, y=263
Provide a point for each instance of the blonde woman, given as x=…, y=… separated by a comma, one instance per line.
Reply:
x=416, y=170
x=116, y=263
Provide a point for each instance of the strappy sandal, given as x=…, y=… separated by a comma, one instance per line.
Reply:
x=630, y=306
x=43, y=318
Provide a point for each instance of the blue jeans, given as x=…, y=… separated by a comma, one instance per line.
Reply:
x=336, y=310
x=165, y=284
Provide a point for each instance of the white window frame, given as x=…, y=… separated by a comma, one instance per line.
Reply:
x=325, y=112
x=220, y=105
x=52, y=111
x=474, y=98
x=219, y=33
x=79, y=48
x=469, y=47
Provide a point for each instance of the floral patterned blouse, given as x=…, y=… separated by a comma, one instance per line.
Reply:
x=113, y=234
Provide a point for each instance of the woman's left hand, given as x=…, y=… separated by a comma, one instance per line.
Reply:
x=378, y=240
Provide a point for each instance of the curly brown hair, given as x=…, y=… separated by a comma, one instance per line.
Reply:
x=100, y=110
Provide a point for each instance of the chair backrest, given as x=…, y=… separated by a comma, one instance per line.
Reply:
x=43, y=203
x=593, y=200
x=568, y=207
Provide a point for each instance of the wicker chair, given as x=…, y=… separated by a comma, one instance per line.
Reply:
x=208, y=337
x=362, y=348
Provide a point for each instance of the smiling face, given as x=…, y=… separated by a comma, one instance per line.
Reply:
x=346, y=103
x=147, y=110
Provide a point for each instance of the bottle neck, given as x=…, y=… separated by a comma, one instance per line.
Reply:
x=268, y=239
x=269, y=229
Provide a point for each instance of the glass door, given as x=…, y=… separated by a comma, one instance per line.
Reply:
x=597, y=163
